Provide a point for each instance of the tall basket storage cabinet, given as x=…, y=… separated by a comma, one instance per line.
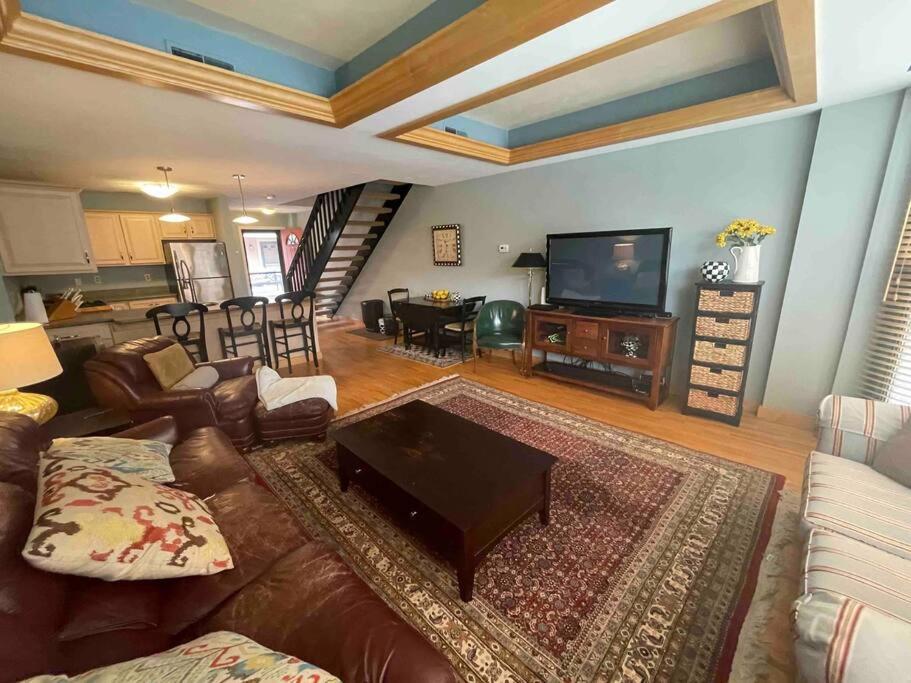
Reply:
x=720, y=353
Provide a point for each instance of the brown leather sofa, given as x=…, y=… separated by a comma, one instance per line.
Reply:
x=120, y=378
x=287, y=591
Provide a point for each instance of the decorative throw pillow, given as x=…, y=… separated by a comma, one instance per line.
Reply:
x=203, y=377
x=95, y=521
x=144, y=457
x=220, y=656
x=170, y=365
x=893, y=458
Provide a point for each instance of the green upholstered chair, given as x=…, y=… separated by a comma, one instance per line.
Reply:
x=500, y=325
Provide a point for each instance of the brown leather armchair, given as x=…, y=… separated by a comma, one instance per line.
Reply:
x=120, y=378
x=286, y=591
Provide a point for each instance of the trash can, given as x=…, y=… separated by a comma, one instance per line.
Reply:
x=371, y=312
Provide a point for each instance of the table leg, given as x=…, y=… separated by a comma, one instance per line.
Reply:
x=344, y=466
x=465, y=568
x=544, y=514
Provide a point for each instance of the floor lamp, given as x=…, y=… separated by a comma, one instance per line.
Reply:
x=530, y=260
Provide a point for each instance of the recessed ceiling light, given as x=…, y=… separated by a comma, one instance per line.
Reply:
x=270, y=197
x=160, y=190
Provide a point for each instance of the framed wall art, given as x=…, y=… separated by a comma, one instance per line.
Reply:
x=447, y=245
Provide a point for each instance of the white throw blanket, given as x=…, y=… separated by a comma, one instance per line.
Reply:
x=276, y=391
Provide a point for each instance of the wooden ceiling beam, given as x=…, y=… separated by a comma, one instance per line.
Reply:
x=791, y=30
x=483, y=33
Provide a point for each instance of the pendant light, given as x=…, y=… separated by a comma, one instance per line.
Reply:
x=160, y=190
x=173, y=216
x=268, y=210
x=244, y=219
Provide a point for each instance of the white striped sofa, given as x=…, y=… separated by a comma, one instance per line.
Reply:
x=853, y=621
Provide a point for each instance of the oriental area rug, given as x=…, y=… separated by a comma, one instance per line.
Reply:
x=646, y=572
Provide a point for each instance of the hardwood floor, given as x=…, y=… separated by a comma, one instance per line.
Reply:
x=365, y=376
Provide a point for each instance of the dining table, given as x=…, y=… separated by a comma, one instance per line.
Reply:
x=428, y=316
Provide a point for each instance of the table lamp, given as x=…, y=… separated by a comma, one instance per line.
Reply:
x=530, y=260
x=26, y=357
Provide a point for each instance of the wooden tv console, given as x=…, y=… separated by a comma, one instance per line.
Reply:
x=592, y=355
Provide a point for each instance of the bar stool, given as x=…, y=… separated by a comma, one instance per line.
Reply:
x=300, y=319
x=179, y=315
x=249, y=328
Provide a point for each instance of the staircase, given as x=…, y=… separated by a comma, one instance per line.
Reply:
x=343, y=230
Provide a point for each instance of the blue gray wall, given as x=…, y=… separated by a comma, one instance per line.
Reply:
x=697, y=185
x=852, y=148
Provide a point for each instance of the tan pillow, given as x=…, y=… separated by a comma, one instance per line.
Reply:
x=95, y=521
x=893, y=458
x=169, y=365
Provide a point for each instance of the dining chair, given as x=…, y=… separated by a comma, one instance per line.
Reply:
x=250, y=330
x=301, y=318
x=396, y=298
x=463, y=328
x=179, y=316
x=499, y=325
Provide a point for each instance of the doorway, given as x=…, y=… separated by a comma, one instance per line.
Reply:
x=265, y=262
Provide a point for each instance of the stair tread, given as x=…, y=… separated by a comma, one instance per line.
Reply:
x=387, y=196
x=373, y=209
x=369, y=224
x=361, y=235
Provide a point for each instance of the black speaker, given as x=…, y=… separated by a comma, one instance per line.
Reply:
x=371, y=312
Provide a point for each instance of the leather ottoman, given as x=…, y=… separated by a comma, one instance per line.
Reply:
x=308, y=418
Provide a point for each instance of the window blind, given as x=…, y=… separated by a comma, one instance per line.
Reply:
x=887, y=375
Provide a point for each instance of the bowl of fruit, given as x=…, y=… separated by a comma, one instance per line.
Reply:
x=438, y=295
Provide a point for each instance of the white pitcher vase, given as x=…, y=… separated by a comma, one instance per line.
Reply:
x=746, y=263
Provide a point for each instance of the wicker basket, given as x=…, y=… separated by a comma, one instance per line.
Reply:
x=722, y=354
x=716, y=378
x=723, y=328
x=725, y=301
x=718, y=403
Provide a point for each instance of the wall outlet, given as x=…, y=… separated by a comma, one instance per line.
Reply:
x=97, y=279
x=147, y=277
x=77, y=281
x=503, y=248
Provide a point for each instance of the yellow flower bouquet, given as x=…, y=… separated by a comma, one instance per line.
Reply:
x=744, y=232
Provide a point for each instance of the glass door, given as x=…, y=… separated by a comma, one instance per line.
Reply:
x=265, y=262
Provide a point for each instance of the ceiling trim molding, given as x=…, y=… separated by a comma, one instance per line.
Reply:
x=434, y=138
x=9, y=10
x=707, y=113
x=483, y=33
x=688, y=22
x=34, y=36
x=790, y=25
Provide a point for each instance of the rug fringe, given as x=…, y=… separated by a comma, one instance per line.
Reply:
x=355, y=411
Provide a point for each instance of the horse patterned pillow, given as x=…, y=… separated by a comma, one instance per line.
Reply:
x=94, y=521
x=144, y=457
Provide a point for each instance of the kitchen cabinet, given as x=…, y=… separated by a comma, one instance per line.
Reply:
x=106, y=238
x=143, y=240
x=172, y=231
x=124, y=239
x=200, y=227
x=43, y=230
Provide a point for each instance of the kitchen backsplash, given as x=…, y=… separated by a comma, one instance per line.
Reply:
x=123, y=282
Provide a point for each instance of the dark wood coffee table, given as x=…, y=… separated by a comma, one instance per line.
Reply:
x=459, y=486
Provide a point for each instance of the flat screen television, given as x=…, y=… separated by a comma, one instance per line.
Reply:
x=618, y=271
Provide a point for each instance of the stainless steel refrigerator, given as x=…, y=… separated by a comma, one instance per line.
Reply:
x=200, y=271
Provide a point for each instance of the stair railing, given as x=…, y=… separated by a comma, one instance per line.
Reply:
x=328, y=218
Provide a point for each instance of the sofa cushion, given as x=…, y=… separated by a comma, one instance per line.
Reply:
x=170, y=365
x=893, y=458
x=94, y=521
x=20, y=440
x=842, y=566
x=843, y=640
x=236, y=397
x=258, y=530
x=219, y=656
x=322, y=612
x=855, y=500
x=148, y=459
x=206, y=462
x=101, y=606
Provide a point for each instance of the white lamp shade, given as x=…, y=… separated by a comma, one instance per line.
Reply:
x=26, y=356
x=174, y=218
x=246, y=220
